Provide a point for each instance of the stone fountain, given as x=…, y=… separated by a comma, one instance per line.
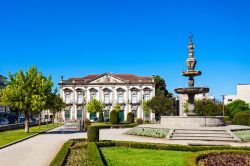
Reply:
x=191, y=91
x=191, y=120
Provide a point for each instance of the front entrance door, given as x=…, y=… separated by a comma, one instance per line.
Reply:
x=121, y=116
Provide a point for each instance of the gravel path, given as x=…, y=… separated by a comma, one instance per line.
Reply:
x=39, y=150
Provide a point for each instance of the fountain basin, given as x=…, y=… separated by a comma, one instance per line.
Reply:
x=192, y=121
x=191, y=73
x=192, y=90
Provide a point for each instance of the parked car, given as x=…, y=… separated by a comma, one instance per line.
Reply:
x=4, y=121
x=12, y=119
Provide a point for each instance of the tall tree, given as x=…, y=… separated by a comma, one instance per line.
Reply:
x=55, y=104
x=237, y=106
x=26, y=91
x=94, y=106
x=160, y=86
x=161, y=105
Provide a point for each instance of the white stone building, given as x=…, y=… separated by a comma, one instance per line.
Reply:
x=243, y=93
x=183, y=99
x=128, y=90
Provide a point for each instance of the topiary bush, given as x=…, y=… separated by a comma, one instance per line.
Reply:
x=101, y=118
x=130, y=117
x=114, y=117
x=86, y=123
x=139, y=121
x=242, y=118
x=93, y=134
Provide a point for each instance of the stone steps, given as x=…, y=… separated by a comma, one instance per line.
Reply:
x=202, y=135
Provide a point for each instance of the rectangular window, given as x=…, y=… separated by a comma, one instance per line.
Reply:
x=135, y=113
x=120, y=99
x=79, y=99
x=106, y=114
x=92, y=115
x=106, y=99
x=134, y=98
x=67, y=114
x=92, y=96
x=146, y=115
x=67, y=99
x=146, y=97
x=79, y=114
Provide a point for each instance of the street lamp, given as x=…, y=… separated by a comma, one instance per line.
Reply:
x=223, y=107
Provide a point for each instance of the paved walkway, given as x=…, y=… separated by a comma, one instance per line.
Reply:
x=39, y=150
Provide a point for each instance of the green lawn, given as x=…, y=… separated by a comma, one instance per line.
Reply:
x=120, y=156
x=7, y=137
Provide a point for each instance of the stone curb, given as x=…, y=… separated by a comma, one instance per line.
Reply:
x=20, y=140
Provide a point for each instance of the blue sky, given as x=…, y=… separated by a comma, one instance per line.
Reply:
x=80, y=37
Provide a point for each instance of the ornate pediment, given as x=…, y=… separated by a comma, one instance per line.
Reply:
x=107, y=78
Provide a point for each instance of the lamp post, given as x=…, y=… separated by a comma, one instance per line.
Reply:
x=223, y=107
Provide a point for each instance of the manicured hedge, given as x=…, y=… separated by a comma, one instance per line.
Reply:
x=193, y=158
x=106, y=125
x=86, y=123
x=130, y=117
x=94, y=157
x=114, y=117
x=139, y=121
x=93, y=134
x=61, y=156
x=242, y=118
x=161, y=146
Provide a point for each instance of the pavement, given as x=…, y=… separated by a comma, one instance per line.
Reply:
x=39, y=150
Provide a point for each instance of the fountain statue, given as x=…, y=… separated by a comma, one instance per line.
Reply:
x=191, y=91
x=191, y=120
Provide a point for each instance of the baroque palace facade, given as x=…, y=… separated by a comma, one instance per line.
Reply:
x=127, y=90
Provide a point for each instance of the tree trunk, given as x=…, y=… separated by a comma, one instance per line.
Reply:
x=39, y=120
x=26, y=123
x=54, y=114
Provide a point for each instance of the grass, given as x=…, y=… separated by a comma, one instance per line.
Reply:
x=7, y=137
x=120, y=156
x=243, y=134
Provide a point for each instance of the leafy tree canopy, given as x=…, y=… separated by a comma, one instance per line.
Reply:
x=160, y=86
x=161, y=105
x=26, y=91
x=146, y=107
x=237, y=106
x=207, y=107
x=117, y=107
x=94, y=106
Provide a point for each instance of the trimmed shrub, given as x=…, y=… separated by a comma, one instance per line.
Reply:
x=242, y=118
x=94, y=157
x=114, y=117
x=130, y=117
x=139, y=121
x=146, y=121
x=61, y=156
x=101, y=118
x=86, y=123
x=93, y=134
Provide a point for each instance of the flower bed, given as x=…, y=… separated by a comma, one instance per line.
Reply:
x=228, y=157
x=148, y=132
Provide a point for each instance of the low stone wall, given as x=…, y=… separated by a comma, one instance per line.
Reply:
x=19, y=126
x=192, y=121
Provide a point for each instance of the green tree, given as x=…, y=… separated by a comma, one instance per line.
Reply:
x=55, y=104
x=207, y=107
x=161, y=105
x=117, y=107
x=237, y=106
x=27, y=91
x=160, y=86
x=146, y=107
x=95, y=106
